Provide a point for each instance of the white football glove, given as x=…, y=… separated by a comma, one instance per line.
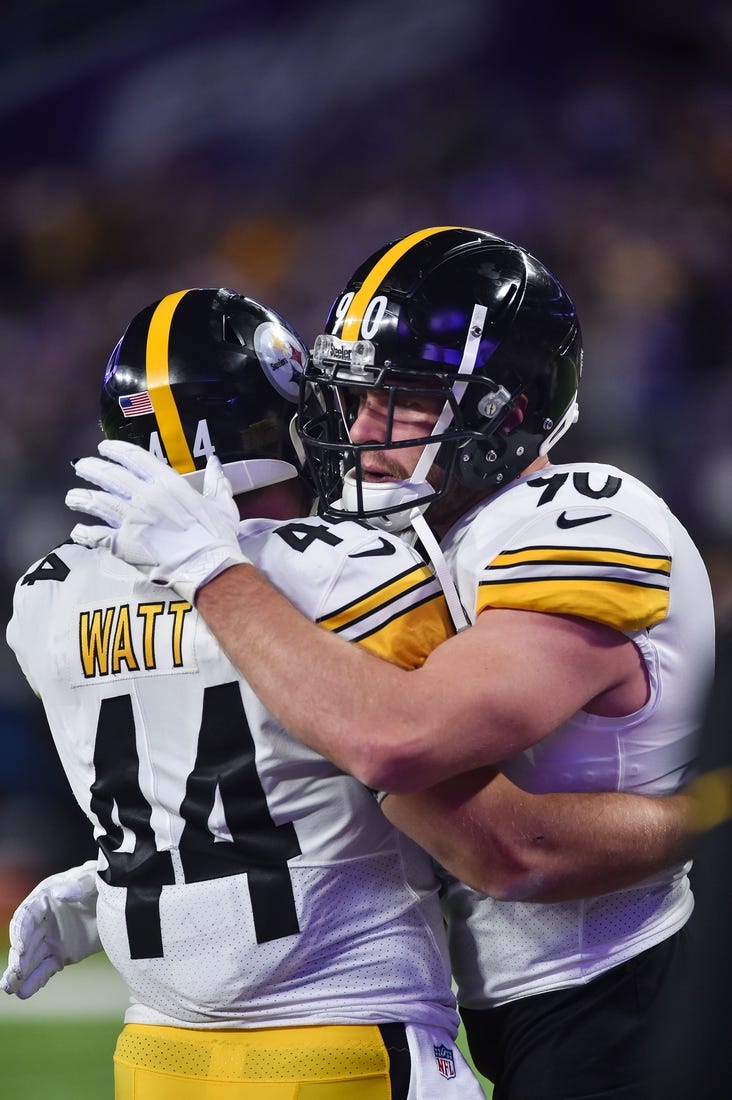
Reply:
x=54, y=926
x=158, y=522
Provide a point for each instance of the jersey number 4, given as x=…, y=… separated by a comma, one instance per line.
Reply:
x=225, y=761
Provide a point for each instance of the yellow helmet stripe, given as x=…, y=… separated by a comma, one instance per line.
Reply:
x=352, y=323
x=158, y=384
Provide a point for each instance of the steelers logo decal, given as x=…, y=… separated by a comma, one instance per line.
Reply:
x=282, y=357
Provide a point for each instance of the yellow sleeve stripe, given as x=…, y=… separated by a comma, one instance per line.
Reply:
x=623, y=604
x=352, y=323
x=589, y=555
x=407, y=639
x=377, y=598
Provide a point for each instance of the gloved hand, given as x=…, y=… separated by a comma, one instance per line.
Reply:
x=158, y=522
x=55, y=925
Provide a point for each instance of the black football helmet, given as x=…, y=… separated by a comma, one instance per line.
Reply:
x=453, y=311
x=207, y=371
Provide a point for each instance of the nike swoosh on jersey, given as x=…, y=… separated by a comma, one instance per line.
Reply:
x=382, y=551
x=565, y=522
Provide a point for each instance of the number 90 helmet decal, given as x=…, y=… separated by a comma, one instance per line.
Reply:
x=455, y=312
x=207, y=371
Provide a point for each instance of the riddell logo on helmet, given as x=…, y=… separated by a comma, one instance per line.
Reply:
x=281, y=356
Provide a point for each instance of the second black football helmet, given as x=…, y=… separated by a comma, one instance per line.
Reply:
x=206, y=371
x=451, y=311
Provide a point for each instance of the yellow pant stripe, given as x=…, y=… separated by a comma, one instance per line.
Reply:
x=272, y=1054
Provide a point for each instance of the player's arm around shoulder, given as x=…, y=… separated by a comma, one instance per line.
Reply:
x=492, y=690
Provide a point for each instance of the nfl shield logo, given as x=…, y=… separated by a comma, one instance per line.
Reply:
x=445, y=1061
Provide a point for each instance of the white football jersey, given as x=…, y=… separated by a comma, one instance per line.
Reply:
x=591, y=541
x=244, y=880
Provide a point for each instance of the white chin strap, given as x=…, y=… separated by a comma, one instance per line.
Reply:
x=250, y=473
x=442, y=572
x=377, y=496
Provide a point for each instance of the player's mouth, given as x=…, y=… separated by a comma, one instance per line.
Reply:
x=380, y=475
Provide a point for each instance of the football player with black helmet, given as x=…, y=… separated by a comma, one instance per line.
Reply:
x=449, y=367
x=466, y=323
x=208, y=371
x=277, y=934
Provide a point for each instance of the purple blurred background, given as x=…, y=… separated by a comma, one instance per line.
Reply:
x=150, y=146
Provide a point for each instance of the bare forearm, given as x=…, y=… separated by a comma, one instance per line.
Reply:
x=543, y=848
x=330, y=694
x=479, y=697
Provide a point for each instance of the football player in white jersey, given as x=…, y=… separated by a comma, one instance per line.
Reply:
x=449, y=367
x=279, y=937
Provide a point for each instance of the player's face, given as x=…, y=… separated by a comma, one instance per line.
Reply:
x=414, y=415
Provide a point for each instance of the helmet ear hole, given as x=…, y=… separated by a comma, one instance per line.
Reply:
x=230, y=335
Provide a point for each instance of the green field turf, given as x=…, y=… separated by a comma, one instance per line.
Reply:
x=58, y=1045
x=58, y=1059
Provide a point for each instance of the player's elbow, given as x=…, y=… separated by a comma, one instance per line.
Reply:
x=394, y=760
x=514, y=885
x=394, y=774
x=512, y=868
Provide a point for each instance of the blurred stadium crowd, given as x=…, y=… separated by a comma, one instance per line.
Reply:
x=272, y=147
